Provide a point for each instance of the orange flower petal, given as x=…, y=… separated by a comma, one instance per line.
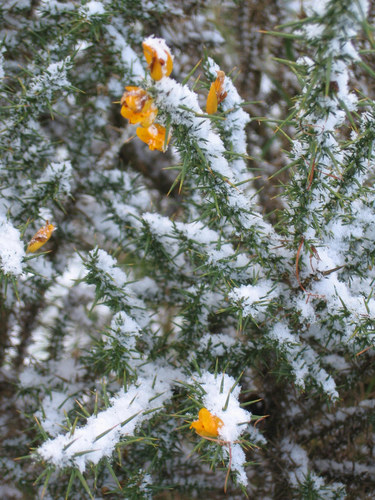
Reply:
x=156, y=70
x=219, y=86
x=148, y=52
x=169, y=66
x=135, y=98
x=212, y=103
x=207, y=425
x=40, y=238
x=149, y=117
x=216, y=94
x=138, y=106
x=158, y=57
x=145, y=119
x=153, y=136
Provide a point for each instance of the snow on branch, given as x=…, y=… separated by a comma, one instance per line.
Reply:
x=112, y=285
x=129, y=59
x=234, y=124
x=220, y=397
x=52, y=79
x=11, y=248
x=303, y=360
x=173, y=236
x=102, y=432
x=181, y=105
x=326, y=102
x=300, y=472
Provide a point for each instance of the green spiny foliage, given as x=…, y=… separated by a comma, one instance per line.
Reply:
x=170, y=285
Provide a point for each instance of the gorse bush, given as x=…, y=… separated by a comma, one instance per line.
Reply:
x=166, y=333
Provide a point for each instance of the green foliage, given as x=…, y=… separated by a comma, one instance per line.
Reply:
x=212, y=276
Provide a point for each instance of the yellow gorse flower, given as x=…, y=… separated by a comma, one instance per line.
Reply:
x=207, y=425
x=40, y=237
x=216, y=94
x=154, y=136
x=138, y=106
x=158, y=57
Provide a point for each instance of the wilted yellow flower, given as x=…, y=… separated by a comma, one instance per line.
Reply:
x=41, y=237
x=153, y=136
x=207, y=425
x=138, y=106
x=216, y=94
x=158, y=57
